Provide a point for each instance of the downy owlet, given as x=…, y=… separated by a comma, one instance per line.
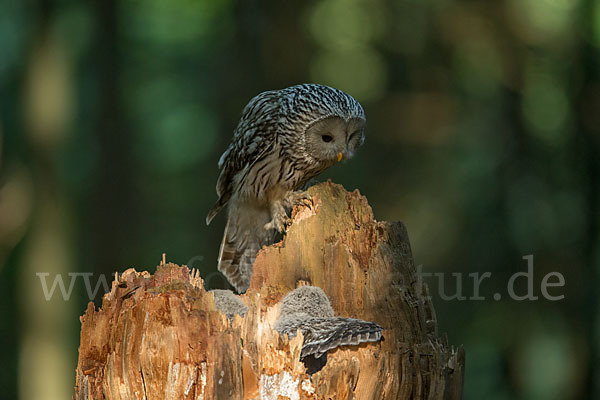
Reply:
x=284, y=138
x=308, y=309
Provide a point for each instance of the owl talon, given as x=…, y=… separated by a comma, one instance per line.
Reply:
x=279, y=222
x=301, y=198
x=279, y=226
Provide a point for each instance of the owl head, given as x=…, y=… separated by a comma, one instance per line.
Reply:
x=309, y=300
x=333, y=139
x=332, y=122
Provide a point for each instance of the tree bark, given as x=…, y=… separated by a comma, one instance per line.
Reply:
x=160, y=336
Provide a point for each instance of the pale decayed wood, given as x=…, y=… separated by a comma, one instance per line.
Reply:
x=160, y=337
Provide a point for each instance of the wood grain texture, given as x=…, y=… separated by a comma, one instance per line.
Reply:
x=166, y=340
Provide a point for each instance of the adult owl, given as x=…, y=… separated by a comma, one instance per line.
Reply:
x=308, y=309
x=284, y=138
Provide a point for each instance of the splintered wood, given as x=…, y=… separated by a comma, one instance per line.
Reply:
x=161, y=337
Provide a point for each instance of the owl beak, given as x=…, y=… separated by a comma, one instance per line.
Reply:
x=340, y=156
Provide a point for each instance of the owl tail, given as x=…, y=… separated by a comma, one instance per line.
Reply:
x=236, y=256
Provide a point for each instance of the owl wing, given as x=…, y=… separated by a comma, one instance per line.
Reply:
x=324, y=334
x=254, y=137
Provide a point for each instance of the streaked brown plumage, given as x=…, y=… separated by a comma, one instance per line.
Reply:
x=284, y=138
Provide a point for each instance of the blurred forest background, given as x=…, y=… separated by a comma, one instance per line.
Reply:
x=483, y=137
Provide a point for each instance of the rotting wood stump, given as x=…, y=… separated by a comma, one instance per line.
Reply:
x=160, y=336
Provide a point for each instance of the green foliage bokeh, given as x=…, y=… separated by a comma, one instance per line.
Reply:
x=483, y=137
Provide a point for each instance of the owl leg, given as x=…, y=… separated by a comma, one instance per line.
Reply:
x=299, y=198
x=279, y=217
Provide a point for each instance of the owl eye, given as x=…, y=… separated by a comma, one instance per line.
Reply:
x=327, y=138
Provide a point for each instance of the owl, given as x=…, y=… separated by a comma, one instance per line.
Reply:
x=229, y=304
x=284, y=138
x=308, y=309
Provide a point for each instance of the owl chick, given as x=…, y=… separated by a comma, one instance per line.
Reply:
x=308, y=309
x=284, y=138
x=229, y=304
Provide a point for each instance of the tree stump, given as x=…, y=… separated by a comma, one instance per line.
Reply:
x=161, y=337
